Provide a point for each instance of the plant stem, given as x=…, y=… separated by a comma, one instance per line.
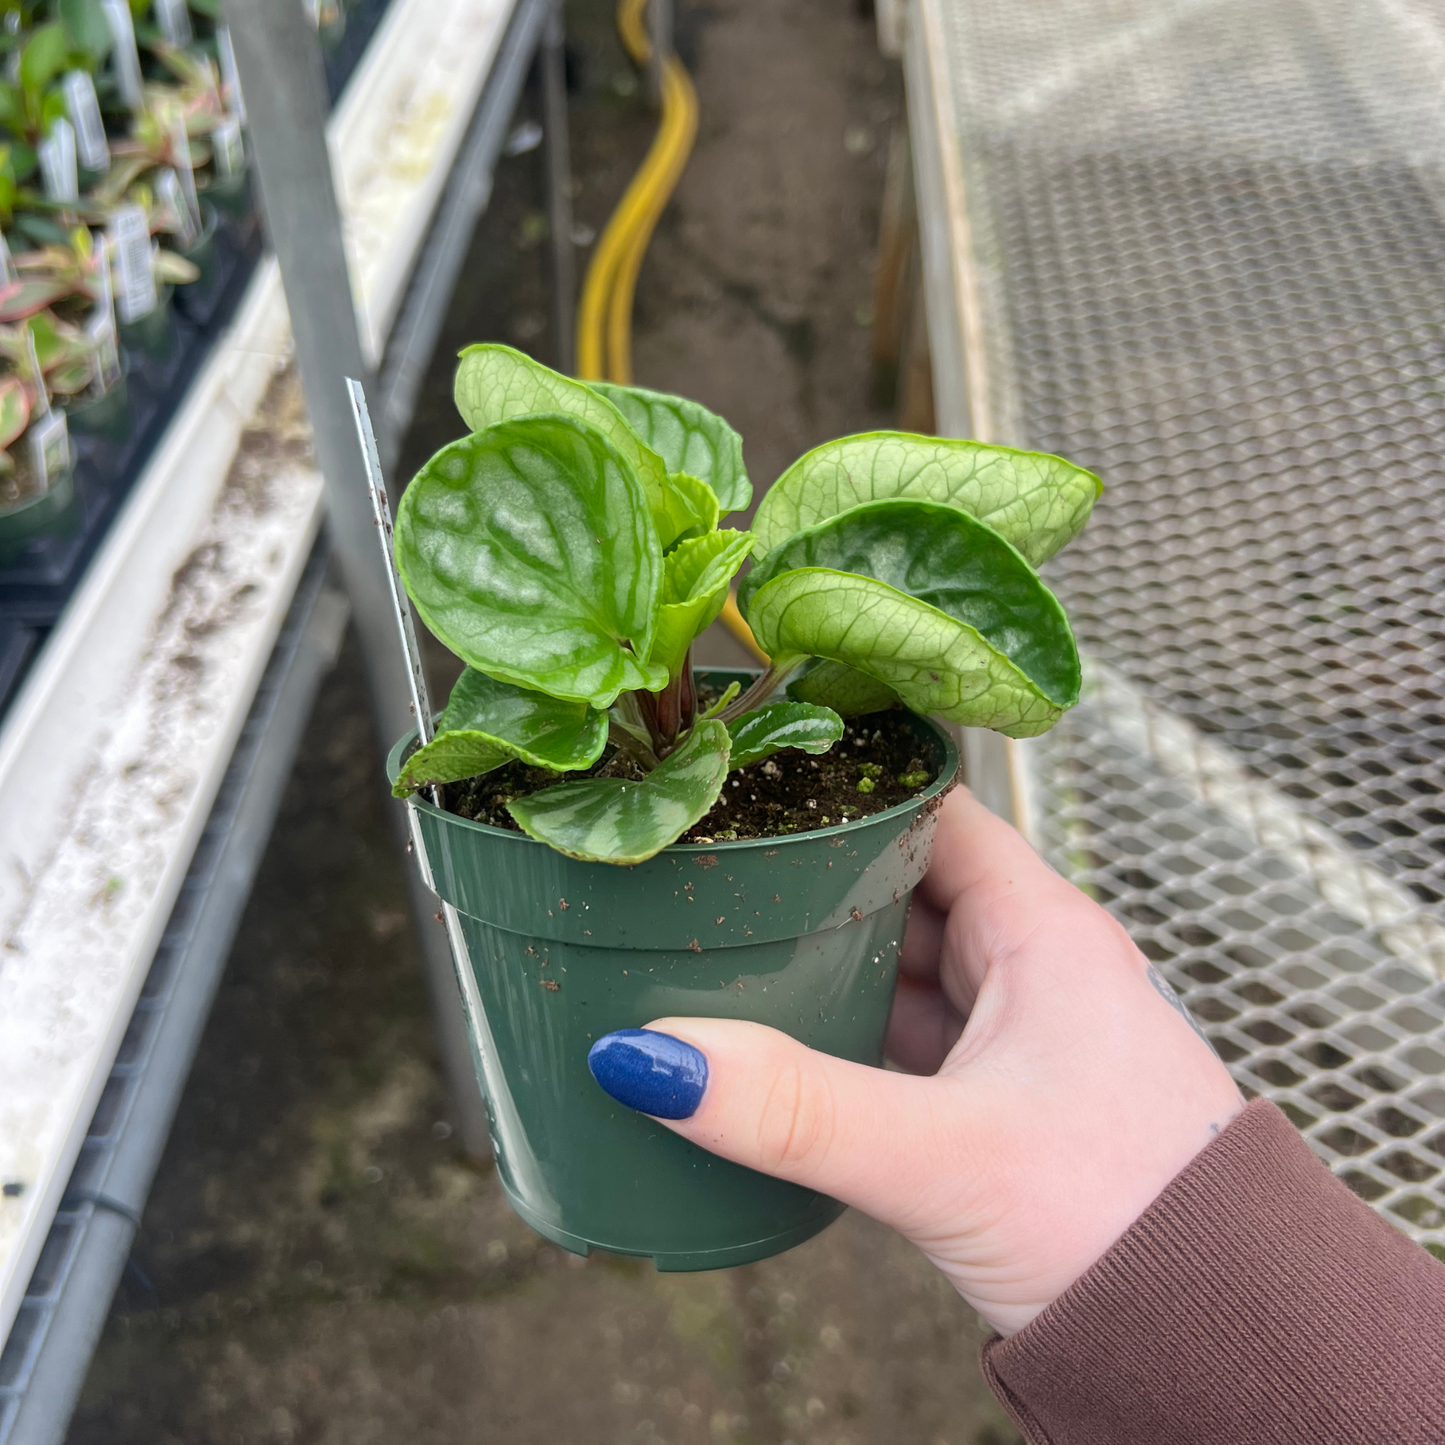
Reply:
x=779, y=670
x=626, y=741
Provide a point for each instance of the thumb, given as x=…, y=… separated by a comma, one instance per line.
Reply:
x=760, y=1098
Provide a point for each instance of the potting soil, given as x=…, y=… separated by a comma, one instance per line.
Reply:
x=878, y=763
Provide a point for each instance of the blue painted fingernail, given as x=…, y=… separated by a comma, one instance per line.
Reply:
x=651, y=1072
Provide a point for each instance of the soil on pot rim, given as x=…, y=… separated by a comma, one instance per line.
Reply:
x=879, y=762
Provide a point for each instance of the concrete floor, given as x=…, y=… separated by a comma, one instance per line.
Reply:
x=319, y=1262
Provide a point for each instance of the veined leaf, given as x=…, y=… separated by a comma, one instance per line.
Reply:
x=695, y=581
x=689, y=509
x=847, y=691
x=688, y=437
x=1036, y=501
x=950, y=561
x=496, y=383
x=488, y=723
x=529, y=550
x=757, y=735
x=934, y=663
x=607, y=820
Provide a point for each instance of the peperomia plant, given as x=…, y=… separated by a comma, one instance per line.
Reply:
x=569, y=551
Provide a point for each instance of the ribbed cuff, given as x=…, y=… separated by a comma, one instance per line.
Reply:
x=1256, y=1300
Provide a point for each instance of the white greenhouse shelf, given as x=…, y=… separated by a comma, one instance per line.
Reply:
x=112, y=753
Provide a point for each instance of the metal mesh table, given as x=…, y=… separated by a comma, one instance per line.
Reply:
x=1199, y=248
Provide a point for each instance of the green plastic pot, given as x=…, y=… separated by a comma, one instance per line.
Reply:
x=154, y=334
x=800, y=932
x=52, y=513
x=105, y=415
x=202, y=252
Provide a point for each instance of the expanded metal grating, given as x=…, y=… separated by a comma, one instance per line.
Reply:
x=1210, y=250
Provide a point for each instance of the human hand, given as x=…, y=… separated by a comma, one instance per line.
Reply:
x=1065, y=1086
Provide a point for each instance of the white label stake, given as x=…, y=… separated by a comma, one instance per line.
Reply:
x=175, y=21
x=131, y=236
x=230, y=76
x=124, y=54
x=57, y=162
x=83, y=109
x=173, y=197
x=101, y=328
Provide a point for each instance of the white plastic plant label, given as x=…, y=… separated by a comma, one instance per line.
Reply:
x=228, y=148
x=83, y=109
x=172, y=194
x=56, y=154
x=135, y=267
x=101, y=330
x=230, y=76
x=49, y=441
x=8, y=273
x=181, y=150
x=124, y=55
x=175, y=21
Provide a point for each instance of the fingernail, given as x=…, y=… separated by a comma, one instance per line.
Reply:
x=651, y=1072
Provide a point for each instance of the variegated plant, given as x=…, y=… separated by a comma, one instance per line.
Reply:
x=568, y=550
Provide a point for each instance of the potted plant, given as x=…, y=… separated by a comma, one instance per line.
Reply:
x=622, y=839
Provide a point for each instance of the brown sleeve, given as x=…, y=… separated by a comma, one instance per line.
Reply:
x=1255, y=1302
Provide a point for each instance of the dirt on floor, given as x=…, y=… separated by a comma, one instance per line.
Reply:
x=319, y=1260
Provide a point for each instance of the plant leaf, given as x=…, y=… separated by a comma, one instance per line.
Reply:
x=14, y=409
x=801, y=725
x=529, y=550
x=85, y=24
x=947, y=559
x=695, y=581
x=935, y=663
x=488, y=723
x=729, y=693
x=689, y=508
x=688, y=437
x=496, y=383
x=607, y=820
x=1036, y=501
x=847, y=691
x=43, y=57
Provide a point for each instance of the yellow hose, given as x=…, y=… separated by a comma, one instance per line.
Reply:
x=604, y=316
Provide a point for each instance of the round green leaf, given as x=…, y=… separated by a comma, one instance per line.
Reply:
x=607, y=820
x=1036, y=501
x=688, y=437
x=935, y=663
x=948, y=560
x=496, y=383
x=488, y=723
x=847, y=691
x=757, y=735
x=529, y=550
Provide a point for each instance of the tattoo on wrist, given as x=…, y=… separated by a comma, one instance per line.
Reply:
x=1163, y=989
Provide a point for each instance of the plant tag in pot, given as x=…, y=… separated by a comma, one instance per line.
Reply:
x=134, y=263
x=83, y=109
x=8, y=273
x=230, y=76
x=49, y=440
x=57, y=162
x=228, y=147
x=101, y=330
x=185, y=213
x=124, y=54
x=175, y=22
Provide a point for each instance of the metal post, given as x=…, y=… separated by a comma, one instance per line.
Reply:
x=278, y=58
x=559, y=192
